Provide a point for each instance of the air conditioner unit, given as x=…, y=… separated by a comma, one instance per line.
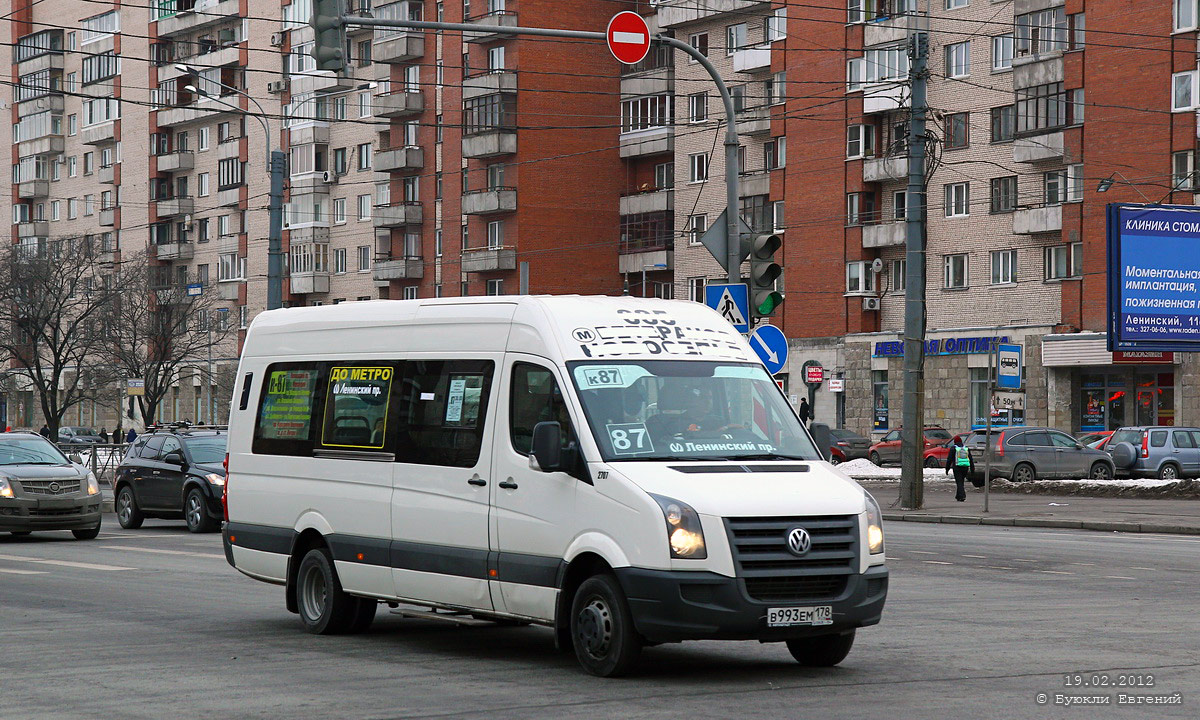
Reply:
x=329, y=177
x=277, y=86
x=277, y=39
x=871, y=304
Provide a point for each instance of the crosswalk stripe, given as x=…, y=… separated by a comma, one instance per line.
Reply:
x=66, y=563
x=14, y=571
x=160, y=551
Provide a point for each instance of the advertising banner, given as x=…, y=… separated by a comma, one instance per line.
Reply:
x=1153, y=277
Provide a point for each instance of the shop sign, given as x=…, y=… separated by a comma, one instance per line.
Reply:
x=837, y=385
x=1133, y=357
x=943, y=346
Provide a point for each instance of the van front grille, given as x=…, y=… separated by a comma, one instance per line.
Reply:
x=770, y=572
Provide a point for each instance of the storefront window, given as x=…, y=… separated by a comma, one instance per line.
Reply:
x=981, y=404
x=1156, y=399
x=879, y=381
x=1103, y=402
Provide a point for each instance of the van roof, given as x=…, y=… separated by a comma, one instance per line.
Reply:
x=573, y=327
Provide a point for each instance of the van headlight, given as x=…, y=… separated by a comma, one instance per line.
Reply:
x=874, y=526
x=93, y=484
x=5, y=488
x=684, y=533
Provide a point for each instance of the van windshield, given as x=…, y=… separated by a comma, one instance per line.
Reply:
x=688, y=410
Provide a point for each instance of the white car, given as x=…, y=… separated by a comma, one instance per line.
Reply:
x=621, y=470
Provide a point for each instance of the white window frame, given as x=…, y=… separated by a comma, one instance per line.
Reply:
x=364, y=208
x=1057, y=262
x=1184, y=21
x=958, y=199
x=775, y=27
x=339, y=211
x=860, y=141
x=731, y=43
x=1003, y=51
x=899, y=275
x=949, y=278
x=698, y=107
x=956, y=4
x=860, y=279
x=698, y=167
x=958, y=59
x=363, y=254
x=1183, y=170
x=1004, y=267
x=697, y=225
x=1186, y=82
x=899, y=204
x=495, y=235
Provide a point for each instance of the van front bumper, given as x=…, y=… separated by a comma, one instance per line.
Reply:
x=56, y=513
x=670, y=606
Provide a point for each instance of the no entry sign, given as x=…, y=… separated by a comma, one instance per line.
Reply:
x=628, y=37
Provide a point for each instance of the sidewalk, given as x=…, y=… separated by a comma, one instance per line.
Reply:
x=1177, y=516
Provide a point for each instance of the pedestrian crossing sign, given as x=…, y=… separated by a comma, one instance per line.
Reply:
x=732, y=301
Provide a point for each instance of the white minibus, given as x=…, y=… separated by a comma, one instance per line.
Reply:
x=621, y=470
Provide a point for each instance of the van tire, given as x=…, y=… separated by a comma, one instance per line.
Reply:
x=324, y=608
x=822, y=650
x=195, y=512
x=364, y=615
x=1169, y=471
x=602, y=632
x=1024, y=472
x=128, y=514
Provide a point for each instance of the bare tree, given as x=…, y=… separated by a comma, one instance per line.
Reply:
x=157, y=328
x=51, y=306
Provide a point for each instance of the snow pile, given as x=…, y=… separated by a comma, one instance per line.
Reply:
x=863, y=469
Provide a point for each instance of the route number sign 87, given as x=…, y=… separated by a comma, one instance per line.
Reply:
x=629, y=439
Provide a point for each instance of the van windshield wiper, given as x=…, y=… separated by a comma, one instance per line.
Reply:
x=769, y=456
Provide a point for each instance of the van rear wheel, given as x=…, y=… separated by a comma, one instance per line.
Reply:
x=324, y=608
x=602, y=632
x=822, y=650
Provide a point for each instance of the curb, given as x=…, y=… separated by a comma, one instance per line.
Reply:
x=106, y=506
x=1098, y=525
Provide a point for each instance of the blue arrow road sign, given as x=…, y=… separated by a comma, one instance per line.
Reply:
x=732, y=300
x=1008, y=366
x=771, y=345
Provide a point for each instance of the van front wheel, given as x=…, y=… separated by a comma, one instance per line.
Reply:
x=324, y=608
x=606, y=643
x=822, y=650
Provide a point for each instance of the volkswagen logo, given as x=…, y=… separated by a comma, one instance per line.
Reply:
x=799, y=541
x=54, y=488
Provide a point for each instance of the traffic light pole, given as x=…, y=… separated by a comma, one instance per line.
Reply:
x=733, y=234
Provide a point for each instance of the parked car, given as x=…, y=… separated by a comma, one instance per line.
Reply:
x=77, y=435
x=172, y=473
x=847, y=445
x=1163, y=452
x=1095, y=440
x=935, y=456
x=1022, y=454
x=42, y=489
x=888, y=448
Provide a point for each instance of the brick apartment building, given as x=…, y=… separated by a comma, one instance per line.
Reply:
x=438, y=166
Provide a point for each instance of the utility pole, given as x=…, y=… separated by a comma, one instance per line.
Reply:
x=278, y=161
x=912, y=481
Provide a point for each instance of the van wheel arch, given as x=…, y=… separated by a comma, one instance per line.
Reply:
x=307, y=540
x=584, y=566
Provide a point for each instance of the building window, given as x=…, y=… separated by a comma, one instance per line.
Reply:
x=1044, y=31
x=202, y=139
x=698, y=107
x=957, y=131
x=1183, y=170
x=696, y=227
x=860, y=279
x=339, y=261
x=958, y=59
x=775, y=26
x=777, y=216
x=229, y=173
x=1063, y=261
x=364, y=207
x=410, y=292
x=735, y=38
x=775, y=89
x=956, y=271
x=860, y=141
x=899, y=275
x=364, y=156
x=696, y=287
x=1002, y=53
x=775, y=153
x=647, y=112
x=364, y=258
x=698, y=167
x=700, y=42
x=495, y=287
x=1004, y=194
x=860, y=208
x=1184, y=90
x=958, y=199
x=495, y=234
x=900, y=205
x=1003, y=123
x=339, y=211
x=230, y=267
x=1185, y=15
x=1004, y=267
x=879, y=390
x=952, y=4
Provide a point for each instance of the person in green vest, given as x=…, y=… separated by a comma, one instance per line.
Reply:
x=960, y=461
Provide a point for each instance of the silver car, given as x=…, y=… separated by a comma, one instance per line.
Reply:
x=42, y=489
x=1167, y=453
x=1022, y=454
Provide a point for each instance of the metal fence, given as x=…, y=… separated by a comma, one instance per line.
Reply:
x=101, y=458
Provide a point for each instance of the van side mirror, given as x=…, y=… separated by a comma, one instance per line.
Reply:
x=546, y=454
x=822, y=437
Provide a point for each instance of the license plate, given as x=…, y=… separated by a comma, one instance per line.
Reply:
x=786, y=617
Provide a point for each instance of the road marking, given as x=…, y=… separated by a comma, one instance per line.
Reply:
x=14, y=571
x=1117, y=577
x=922, y=552
x=65, y=563
x=1054, y=572
x=1136, y=567
x=977, y=557
x=1022, y=560
x=166, y=552
x=1085, y=564
x=999, y=567
x=936, y=562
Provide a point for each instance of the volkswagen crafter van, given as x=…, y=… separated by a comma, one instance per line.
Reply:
x=624, y=471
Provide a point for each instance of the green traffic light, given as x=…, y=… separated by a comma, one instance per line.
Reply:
x=769, y=303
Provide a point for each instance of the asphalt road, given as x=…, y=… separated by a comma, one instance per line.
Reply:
x=153, y=623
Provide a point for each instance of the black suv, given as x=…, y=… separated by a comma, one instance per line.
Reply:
x=170, y=472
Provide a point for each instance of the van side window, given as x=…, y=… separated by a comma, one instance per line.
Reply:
x=291, y=393
x=356, y=406
x=535, y=398
x=443, y=407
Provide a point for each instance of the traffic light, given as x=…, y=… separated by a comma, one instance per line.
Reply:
x=764, y=271
x=329, y=50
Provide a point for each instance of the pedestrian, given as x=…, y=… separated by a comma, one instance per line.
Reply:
x=805, y=411
x=103, y=433
x=117, y=435
x=960, y=461
x=45, y=431
x=131, y=436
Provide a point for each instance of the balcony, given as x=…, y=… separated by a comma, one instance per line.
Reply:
x=648, y=202
x=490, y=143
x=108, y=217
x=107, y=175
x=395, y=47
x=487, y=202
x=754, y=183
x=679, y=12
x=187, y=20
x=894, y=28
x=210, y=57
x=176, y=162
x=398, y=104
x=310, y=234
x=489, y=83
x=889, y=234
x=98, y=134
x=308, y=132
x=752, y=60
x=229, y=289
x=1034, y=220
x=44, y=145
x=401, y=159
x=304, y=283
x=884, y=98
x=176, y=251
x=229, y=197
x=503, y=18
x=408, y=268
x=754, y=120
x=885, y=169
x=651, y=255
x=397, y=215
x=185, y=114
x=319, y=81
x=1039, y=148
x=171, y=207
x=47, y=61
x=482, y=260
x=33, y=189
x=651, y=80
x=33, y=228
x=54, y=103
x=652, y=141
